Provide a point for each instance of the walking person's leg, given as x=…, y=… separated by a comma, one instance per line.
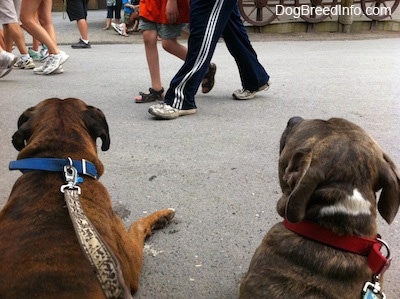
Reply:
x=13, y=34
x=77, y=11
x=253, y=76
x=7, y=61
x=156, y=91
x=208, y=20
x=43, y=31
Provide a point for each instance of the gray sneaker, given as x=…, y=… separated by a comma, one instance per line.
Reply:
x=165, y=111
x=244, y=94
x=24, y=64
x=7, y=61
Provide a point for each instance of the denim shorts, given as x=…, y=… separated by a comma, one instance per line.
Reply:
x=165, y=31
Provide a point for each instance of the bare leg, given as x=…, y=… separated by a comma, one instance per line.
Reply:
x=173, y=47
x=150, y=43
x=83, y=28
x=13, y=33
x=108, y=24
x=43, y=31
x=2, y=43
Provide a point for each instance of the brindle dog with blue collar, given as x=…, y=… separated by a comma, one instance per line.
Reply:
x=40, y=256
x=329, y=172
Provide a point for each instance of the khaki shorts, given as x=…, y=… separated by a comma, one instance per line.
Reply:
x=127, y=17
x=165, y=31
x=9, y=11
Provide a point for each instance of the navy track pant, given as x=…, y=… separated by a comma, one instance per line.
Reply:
x=209, y=20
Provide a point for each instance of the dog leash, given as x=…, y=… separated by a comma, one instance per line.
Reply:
x=100, y=256
x=370, y=248
x=108, y=270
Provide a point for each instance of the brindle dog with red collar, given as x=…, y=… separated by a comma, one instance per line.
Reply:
x=329, y=172
x=40, y=256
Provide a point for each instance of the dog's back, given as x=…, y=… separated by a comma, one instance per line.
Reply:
x=329, y=172
x=40, y=255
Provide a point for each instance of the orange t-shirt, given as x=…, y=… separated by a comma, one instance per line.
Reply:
x=154, y=11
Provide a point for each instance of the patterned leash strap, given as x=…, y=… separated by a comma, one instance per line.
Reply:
x=100, y=256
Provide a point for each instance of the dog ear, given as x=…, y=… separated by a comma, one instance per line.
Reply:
x=23, y=133
x=303, y=179
x=389, y=200
x=290, y=124
x=97, y=125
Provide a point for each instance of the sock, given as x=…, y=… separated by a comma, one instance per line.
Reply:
x=25, y=57
x=86, y=41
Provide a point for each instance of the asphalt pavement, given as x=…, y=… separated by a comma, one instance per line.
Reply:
x=217, y=168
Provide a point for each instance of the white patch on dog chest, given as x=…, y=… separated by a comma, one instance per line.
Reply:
x=354, y=205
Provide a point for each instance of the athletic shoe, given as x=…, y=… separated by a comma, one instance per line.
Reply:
x=39, y=70
x=165, y=111
x=44, y=53
x=81, y=45
x=117, y=27
x=35, y=55
x=24, y=64
x=244, y=94
x=51, y=64
x=7, y=60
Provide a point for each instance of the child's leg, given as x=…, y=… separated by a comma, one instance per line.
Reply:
x=173, y=47
x=150, y=44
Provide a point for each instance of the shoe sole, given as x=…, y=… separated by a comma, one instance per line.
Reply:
x=60, y=70
x=6, y=71
x=28, y=67
x=172, y=116
x=80, y=47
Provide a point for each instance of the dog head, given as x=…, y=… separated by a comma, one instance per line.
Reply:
x=59, y=128
x=333, y=167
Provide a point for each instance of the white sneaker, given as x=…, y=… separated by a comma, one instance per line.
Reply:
x=24, y=64
x=244, y=94
x=117, y=27
x=53, y=62
x=39, y=70
x=7, y=61
x=44, y=53
x=165, y=111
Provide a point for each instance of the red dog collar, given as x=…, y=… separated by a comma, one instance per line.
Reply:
x=355, y=244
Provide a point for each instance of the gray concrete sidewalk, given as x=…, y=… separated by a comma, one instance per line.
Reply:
x=217, y=168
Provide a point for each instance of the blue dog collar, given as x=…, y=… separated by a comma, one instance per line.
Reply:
x=53, y=164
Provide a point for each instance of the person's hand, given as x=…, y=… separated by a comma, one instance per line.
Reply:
x=172, y=11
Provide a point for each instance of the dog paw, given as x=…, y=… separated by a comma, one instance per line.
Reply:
x=166, y=216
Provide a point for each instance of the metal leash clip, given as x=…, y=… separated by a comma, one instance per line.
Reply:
x=372, y=290
x=71, y=178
